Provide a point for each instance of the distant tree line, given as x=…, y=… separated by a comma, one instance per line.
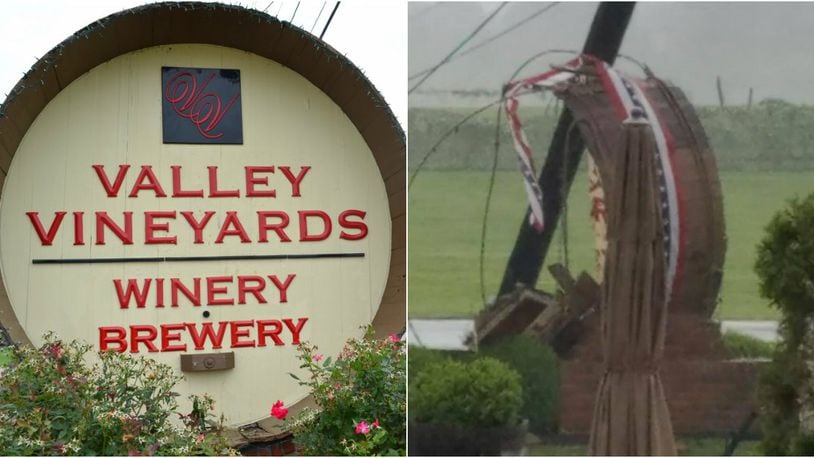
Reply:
x=770, y=135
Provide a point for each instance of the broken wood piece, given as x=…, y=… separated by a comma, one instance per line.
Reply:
x=511, y=313
x=538, y=314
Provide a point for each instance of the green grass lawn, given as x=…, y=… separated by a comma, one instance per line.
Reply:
x=446, y=210
x=711, y=446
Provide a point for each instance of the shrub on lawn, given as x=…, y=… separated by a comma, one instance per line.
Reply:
x=419, y=358
x=785, y=266
x=481, y=393
x=743, y=346
x=54, y=403
x=361, y=399
x=537, y=365
x=470, y=408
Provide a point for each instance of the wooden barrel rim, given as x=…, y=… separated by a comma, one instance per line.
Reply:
x=703, y=248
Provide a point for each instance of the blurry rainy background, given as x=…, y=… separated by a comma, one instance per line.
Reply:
x=759, y=125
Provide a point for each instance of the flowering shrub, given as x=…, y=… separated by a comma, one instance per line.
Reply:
x=53, y=403
x=278, y=411
x=361, y=399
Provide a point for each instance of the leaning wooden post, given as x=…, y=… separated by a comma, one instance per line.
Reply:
x=530, y=249
x=720, y=91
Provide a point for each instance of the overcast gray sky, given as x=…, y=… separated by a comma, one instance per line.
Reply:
x=372, y=34
x=766, y=46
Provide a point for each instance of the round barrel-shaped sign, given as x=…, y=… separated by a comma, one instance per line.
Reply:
x=207, y=200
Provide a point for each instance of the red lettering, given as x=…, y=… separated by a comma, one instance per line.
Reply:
x=150, y=227
x=116, y=335
x=132, y=292
x=111, y=190
x=136, y=338
x=176, y=185
x=208, y=333
x=232, y=220
x=159, y=292
x=198, y=226
x=282, y=287
x=252, y=180
x=78, y=228
x=167, y=339
x=145, y=180
x=256, y=290
x=326, y=223
x=213, y=185
x=273, y=333
x=46, y=238
x=295, y=329
x=357, y=225
x=125, y=235
x=203, y=335
x=176, y=285
x=264, y=226
x=211, y=291
x=295, y=181
x=237, y=333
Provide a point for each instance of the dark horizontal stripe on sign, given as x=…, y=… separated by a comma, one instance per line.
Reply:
x=198, y=258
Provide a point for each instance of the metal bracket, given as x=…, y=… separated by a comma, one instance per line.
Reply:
x=207, y=362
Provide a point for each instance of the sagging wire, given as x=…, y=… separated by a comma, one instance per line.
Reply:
x=486, y=206
x=457, y=48
x=454, y=129
x=330, y=18
x=318, y=16
x=425, y=11
x=485, y=42
x=495, y=157
x=295, y=13
x=446, y=135
x=645, y=69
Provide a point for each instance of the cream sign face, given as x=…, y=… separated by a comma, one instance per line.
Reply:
x=110, y=235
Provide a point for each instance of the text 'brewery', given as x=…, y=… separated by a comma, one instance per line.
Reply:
x=174, y=226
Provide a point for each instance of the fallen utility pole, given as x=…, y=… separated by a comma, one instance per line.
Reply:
x=604, y=40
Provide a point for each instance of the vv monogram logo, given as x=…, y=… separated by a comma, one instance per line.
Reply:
x=201, y=106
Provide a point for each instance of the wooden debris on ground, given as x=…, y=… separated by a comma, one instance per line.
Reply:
x=553, y=319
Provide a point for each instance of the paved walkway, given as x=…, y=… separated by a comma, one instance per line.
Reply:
x=440, y=334
x=451, y=333
x=761, y=329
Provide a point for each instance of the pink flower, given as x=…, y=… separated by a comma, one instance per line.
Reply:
x=278, y=411
x=362, y=428
x=394, y=338
x=59, y=447
x=317, y=358
x=59, y=352
x=200, y=438
x=376, y=424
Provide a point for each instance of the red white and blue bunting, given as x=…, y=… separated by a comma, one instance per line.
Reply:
x=631, y=104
